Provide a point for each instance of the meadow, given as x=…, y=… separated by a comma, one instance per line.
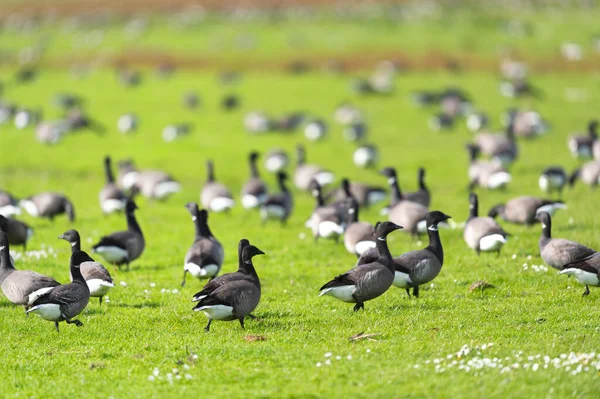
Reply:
x=531, y=335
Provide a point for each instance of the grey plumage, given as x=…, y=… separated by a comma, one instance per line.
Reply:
x=486, y=174
x=279, y=205
x=589, y=174
x=153, y=184
x=214, y=195
x=18, y=232
x=48, y=205
x=326, y=221
x=553, y=178
x=359, y=236
x=581, y=146
x=305, y=173
x=111, y=197
x=482, y=233
x=365, y=194
x=421, y=196
x=523, y=210
x=254, y=191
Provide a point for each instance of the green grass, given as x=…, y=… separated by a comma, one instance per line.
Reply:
x=142, y=328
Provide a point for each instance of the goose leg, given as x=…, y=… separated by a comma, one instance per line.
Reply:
x=408, y=291
x=359, y=306
x=478, y=250
x=184, y=275
x=207, y=328
x=76, y=322
x=587, y=291
x=472, y=185
x=100, y=300
x=241, y=319
x=56, y=326
x=250, y=315
x=416, y=291
x=127, y=265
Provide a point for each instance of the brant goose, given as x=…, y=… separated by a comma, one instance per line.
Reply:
x=365, y=156
x=326, y=221
x=214, y=195
x=9, y=206
x=254, y=190
x=280, y=205
x=48, y=205
x=582, y=146
x=112, y=198
x=127, y=123
x=359, y=236
x=588, y=173
x=18, y=232
x=276, y=160
x=553, y=178
x=364, y=194
x=305, y=173
x=586, y=271
x=153, y=184
x=315, y=130
x=422, y=196
x=481, y=233
x=485, y=173
x=524, y=209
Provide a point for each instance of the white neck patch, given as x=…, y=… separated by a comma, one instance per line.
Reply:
x=351, y=211
x=544, y=225
x=315, y=193
x=381, y=238
x=247, y=262
x=391, y=180
x=73, y=244
x=2, y=248
x=194, y=218
x=433, y=227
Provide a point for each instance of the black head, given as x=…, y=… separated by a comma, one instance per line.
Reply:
x=130, y=206
x=544, y=218
x=435, y=217
x=382, y=229
x=253, y=156
x=192, y=207
x=388, y=172
x=78, y=257
x=593, y=125
x=71, y=236
x=249, y=252
x=421, y=173
x=315, y=188
x=242, y=244
x=3, y=223
x=473, y=150
x=496, y=210
x=346, y=185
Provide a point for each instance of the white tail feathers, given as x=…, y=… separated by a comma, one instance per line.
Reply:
x=498, y=179
x=493, y=242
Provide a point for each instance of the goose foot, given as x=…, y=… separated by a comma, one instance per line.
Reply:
x=408, y=291
x=587, y=291
x=241, y=319
x=207, y=328
x=416, y=291
x=359, y=306
x=76, y=322
x=56, y=326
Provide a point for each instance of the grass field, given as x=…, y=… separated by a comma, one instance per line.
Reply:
x=129, y=346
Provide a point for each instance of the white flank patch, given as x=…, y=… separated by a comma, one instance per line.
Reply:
x=498, y=179
x=250, y=201
x=550, y=208
x=166, y=188
x=544, y=183
x=126, y=123
x=112, y=205
x=343, y=293
x=324, y=178
x=328, y=229
x=47, y=311
x=217, y=312
x=221, y=204
x=36, y=294
x=274, y=212
x=585, y=278
x=364, y=246
x=362, y=157
x=493, y=242
x=401, y=280
x=314, y=132
x=129, y=179
x=98, y=287
x=29, y=207
x=376, y=196
x=275, y=163
x=112, y=254
x=9, y=211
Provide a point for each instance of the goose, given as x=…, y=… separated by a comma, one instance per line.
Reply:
x=305, y=173
x=503, y=152
x=191, y=100
x=586, y=271
x=18, y=232
x=365, y=194
x=205, y=256
x=589, y=174
x=25, y=117
x=477, y=121
x=326, y=221
x=66, y=301
x=254, y=191
x=422, y=196
x=235, y=299
x=523, y=210
x=454, y=102
x=346, y=114
x=288, y=122
x=366, y=281
x=9, y=206
x=526, y=124
x=214, y=195
x=123, y=247
x=97, y=278
x=77, y=120
x=276, y=160
x=112, y=198
x=395, y=194
x=558, y=252
x=127, y=174
x=582, y=146
x=419, y=267
x=257, y=122
x=127, y=123
x=280, y=205
x=440, y=122
x=315, y=130
x=230, y=102
x=153, y=184
x=20, y=287
x=344, y=196
x=484, y=173
x=48, y=205
x=482, y=234
x=356, y=131
x=174, y=131
x=50, y=132
x=67, y=101
x=553, y=178
x=365, y=156
x=424, y=98
x=359, y=237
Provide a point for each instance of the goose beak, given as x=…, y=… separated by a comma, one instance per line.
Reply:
x=61, y=237
x=259, y=252
x=398, y=227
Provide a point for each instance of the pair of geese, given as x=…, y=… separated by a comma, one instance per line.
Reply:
x=44, y=205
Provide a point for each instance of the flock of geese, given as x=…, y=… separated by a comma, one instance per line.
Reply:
x=335, y=216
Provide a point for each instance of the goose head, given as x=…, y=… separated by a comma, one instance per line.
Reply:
x=71, y=236
x=382, y=229
x=249, y=252
x=435, y=217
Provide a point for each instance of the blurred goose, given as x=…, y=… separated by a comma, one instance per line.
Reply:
x=586, y=271
x=18, y=232
x=367, y=281
x=153, y=184
x=422, y=196
x=346, y=114
x=214, y=195
x=50, y=132
x=20, y=287
x=526, y=124
x=558, y=252
x=257, y=122
x=315, y=130
x=582, y=146
x=365, y=194
x=9, y=206
x=254, y=190
x=484, y=173
x=204, y=258
x=77, y=120
x=305, y=173
x=48, y=205
x=176, y=130
x=276, y=160
x=395, y=194
x=482, y=234
x=280, y=205
x=127, y=123
x=440, y=122
x=97, y=278
x=123, y=247
x=27, y=117
x=356, y=131
x=112, y=198
x=66, y=301
x=127, y=174
x=553, y=178
x=365, y=156
x=524, y=209
x=477, y=121
x=191, y=100
x=359, y=237
x=235, y=299
x=589, y=174
x=411, y=215
x=326, y=221
x=230, y=102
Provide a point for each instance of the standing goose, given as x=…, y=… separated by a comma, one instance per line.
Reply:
x=66, y=301
x=524, y=209
x=395, y=194
x=205, y=256
x=18, y=232
x=367, y=281
x=112, y=198
x=123, y=247
x=419, y=267
x=588, y=173
x=48, y=205
x=482, y=234
x=214, y=195
x=558, y=252
x=9, y=206
x=280, y=205
x=582, y=146
x=586, y=271
x=20, y=287
x=553, y=178
x=365, y=194
x=305, y=173
x=276, y=160
x=422, y=196
x=235, y=299
x=254, y=191
x=326, y=221
x=97, y=278
x=485, y=173
x=359, y=237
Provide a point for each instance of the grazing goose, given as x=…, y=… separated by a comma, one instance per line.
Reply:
x=77, y=120
x=127, y=123
x=127, y=174
x=484, y=173
x=257, y=122
x=588, y=173
x=48, y=205
x=482, y=234
x=50, y=132
x=123, y=247
x=326, y=221
x=230, y=102
x=153, y=184
x=254, y=191
x=20, y=287
x=305, y=173
x=526, y=124
x=276, y=161
x=365, y=194
x=582, y=146
x=18, y=232
x=440, y=122
x=558, y=252
x=553, y=178
x=280, y=205
x=367, y=281
x=205, y=256
x=9, y=206
x=524, y=209
x=422, y=196
x=365, y=156
x=359, y=237
x=97, y=278
x=586, y=271
x=506, y=153
x=235, y=299
x=66, y=301
x=112, y=198
x=214, y=195
x=419, y=267
x=315, y=130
